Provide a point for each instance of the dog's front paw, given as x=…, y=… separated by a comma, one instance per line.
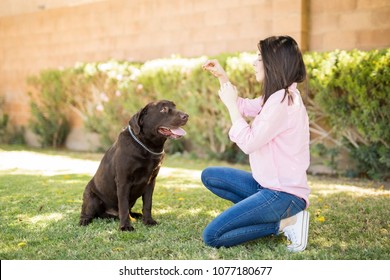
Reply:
x=84, y=221
x=149, y=222
x=126, y=228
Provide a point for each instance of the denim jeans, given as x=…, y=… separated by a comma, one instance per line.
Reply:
x=256, y=212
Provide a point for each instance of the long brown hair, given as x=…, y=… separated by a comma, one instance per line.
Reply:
x=283, y=65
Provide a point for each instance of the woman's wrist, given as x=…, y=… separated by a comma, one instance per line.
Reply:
x=228, y=93
x=223, y=80
x=234, y=113
x=224, y=85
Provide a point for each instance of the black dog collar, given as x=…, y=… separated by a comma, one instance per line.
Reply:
x=142, y=145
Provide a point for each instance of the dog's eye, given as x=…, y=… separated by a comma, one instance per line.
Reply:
x=164, y=110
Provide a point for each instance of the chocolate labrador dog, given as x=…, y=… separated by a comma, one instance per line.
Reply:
x=129, y=168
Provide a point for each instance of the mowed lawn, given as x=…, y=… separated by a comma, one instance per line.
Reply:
x=41, y=196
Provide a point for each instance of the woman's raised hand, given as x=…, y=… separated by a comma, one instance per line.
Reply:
x=215, y=69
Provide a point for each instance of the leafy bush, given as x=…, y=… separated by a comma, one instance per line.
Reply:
x=3, y=122
x=49, y=108
x=349, y=91
x=9, y=134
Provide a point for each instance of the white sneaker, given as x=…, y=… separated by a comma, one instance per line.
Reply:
x=298, y=232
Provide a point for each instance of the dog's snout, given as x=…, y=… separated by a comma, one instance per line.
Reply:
x=184, y=116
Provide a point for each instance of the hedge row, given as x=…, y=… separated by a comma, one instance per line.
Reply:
x=349, y=92
x=346, y=96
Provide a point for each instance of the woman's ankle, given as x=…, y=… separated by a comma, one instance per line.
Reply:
x=287, y=222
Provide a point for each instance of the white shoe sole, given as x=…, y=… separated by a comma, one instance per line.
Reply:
x=305, y=234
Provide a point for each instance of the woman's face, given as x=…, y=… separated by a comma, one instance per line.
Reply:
x=259, y=67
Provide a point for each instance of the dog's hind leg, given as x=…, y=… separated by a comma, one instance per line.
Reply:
x=92, y=206
x=110, y=214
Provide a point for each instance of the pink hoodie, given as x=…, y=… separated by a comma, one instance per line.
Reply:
x=277, y=141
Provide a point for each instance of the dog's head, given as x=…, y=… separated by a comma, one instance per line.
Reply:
x=160, y=119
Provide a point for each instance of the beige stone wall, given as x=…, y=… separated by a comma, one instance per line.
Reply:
x=58, y=33
x=349, y=24
x=17, y=7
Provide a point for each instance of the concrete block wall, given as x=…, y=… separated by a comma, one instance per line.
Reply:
x=349, y=24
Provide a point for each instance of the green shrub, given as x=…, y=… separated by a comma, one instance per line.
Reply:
x=3, y=122
x=101, y=93
x=9, y=134
x=49, y=108
x=350, y=93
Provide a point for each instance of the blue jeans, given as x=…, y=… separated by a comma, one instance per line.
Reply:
x=256, y=212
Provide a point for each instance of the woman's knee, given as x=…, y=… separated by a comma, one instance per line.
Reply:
x=208, y=173
x=209, y=237
x=204, y=175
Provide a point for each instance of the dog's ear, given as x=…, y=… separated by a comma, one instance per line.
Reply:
x=136, y=121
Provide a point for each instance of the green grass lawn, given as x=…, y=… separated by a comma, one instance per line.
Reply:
x=39, y=214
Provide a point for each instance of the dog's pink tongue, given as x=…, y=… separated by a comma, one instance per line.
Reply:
x=178, y=131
